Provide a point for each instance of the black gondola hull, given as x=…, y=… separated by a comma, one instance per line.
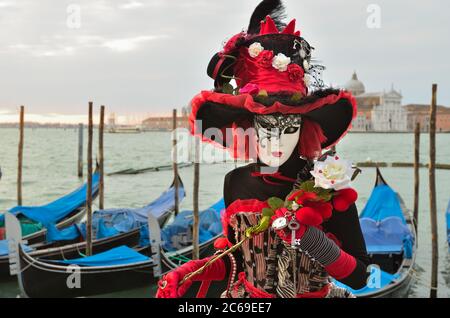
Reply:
x=39, y=238
x=44, y=280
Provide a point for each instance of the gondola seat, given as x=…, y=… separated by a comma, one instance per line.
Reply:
x=178, y=234
x=388, y=236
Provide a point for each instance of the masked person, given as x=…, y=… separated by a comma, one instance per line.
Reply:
x=290, y=224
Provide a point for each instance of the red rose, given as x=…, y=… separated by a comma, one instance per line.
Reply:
x=296, y=73
x=265, y=58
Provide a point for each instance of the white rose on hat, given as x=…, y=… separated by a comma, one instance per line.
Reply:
x=254, y=49
x=281, y=62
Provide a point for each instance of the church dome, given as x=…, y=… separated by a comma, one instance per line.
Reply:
x=355, y=86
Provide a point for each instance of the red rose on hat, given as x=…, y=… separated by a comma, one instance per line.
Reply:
x=296, y=73
x=265, y=58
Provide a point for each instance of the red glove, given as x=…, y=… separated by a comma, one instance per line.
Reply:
x=168, y=285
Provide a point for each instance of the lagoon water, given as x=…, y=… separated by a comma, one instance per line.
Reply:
x=50, y=166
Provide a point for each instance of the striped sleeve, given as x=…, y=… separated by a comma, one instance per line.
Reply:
x=319, y=247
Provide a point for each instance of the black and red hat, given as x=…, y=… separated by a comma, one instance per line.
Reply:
x=270, y=64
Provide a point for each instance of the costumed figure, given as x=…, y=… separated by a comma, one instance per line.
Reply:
x=290, y=223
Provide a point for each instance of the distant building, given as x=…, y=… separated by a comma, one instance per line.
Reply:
x=166, y=123
x=112, y=120
x=419, y=113
x=185, y=111
x=389, y=115
x=377, y=111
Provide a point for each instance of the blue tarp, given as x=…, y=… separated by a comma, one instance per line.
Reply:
x=384, y=225
x=161, y=205
x=389, y=236
x=448, y=223
x=121, y=255
x=383, y=203
x=57, y=210
x=379, y=279
x=4, y=250
x=178, y=234
x=385, y=231
x=110, y=222
x=66, y=234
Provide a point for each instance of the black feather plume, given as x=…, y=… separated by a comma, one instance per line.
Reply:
x=274, y=8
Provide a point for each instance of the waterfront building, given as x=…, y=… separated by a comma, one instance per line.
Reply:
x=420, y=113
x=164, y=123
x=377, y=111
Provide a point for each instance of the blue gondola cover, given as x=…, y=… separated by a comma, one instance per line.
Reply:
x=383, y=223
x=448, y=223
x=110, y=222
x=178, y=234
x=383, y=280
x=4, y=249
x=121, y=255
x=58, y=209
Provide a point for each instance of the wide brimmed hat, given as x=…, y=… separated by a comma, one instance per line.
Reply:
x=273, y=73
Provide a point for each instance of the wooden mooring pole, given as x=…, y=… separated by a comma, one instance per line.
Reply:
x=89, y=186
x=101, y=190
x=20, y=156
x=433, y=209
x=175, y=159
x=416, y=176
x=80, y=150
x=195, y=234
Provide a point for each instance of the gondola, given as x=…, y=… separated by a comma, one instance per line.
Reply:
x=63, y=212
x=116, y=269
x=112, y=228
x=447, y=215
x=391, y=243
x=150, y=169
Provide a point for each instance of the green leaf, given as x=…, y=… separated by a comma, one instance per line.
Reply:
x=267, y=212
x=308, y=186
x=275, y=203
x=288, y=204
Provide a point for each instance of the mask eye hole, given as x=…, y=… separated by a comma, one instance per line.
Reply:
x=291, y=130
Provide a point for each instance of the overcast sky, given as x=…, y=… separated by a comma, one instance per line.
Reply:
x=148, y=56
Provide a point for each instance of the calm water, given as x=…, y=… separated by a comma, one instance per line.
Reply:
x=50, y=165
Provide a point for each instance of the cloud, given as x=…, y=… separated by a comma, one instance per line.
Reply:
x=66, y=46
x=138, y=52
x=129, y=44
x=7, y=4
x=131, y=5
x=40, y=50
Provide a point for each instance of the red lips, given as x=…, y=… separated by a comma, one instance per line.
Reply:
x=277, y=154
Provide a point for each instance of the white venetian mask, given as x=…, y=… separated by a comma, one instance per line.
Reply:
x=278, y=137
